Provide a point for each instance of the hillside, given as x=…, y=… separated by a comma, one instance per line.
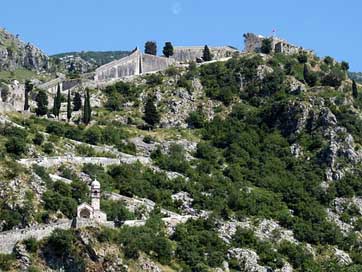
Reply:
x=86, y=61
x=247, y=164
x=356, y=76
x=16, y=54
x=97, y=57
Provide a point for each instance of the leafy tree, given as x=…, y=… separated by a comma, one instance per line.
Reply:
x=69, y=107
x=354, y=89
x=42, y=103
x=28, y=88
x=334, y=78
x=266, y=46
x=206, y=54
x=77, y=102
x=93, y=135
x=57, y=102
x=168, y=49
x=151, y=115
x=151, y=48
x=328, y=60
x=345, y=65
x=196, y=119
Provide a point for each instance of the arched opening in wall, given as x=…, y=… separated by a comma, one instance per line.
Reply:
x=85, y=213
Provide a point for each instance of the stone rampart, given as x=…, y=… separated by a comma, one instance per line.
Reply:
x=53, y=161
x=127, y=66
x=152, y=63
x=186, y=54
x=8, y=239
x=135, y=64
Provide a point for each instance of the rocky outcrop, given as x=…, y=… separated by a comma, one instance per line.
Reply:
x=247, y=259
x=12, y=97
x=15, y=54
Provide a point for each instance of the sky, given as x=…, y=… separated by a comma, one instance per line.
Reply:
x=329, y=27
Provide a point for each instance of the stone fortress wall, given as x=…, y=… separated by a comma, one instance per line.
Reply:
x=254, y=42
x=184, y=54
x=135, y=64
x=139, y=63
x=8, y=239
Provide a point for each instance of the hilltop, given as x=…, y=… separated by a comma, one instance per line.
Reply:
x=247, y=162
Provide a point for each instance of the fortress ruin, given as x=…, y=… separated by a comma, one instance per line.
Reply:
x=254, y=42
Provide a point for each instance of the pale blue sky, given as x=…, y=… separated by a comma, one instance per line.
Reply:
x=329, y=27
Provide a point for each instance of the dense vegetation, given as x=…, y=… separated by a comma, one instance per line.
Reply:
x=242, y=167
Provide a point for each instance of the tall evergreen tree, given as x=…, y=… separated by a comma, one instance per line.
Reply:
x=57, y=102
x=151, y=116
x=42, y=103
x=151, y=48
x=87, y=111
x=69, y=107
x=354, y=89
x=206, y=55
x=28, y=89
x=77, y=102
x=168, y=49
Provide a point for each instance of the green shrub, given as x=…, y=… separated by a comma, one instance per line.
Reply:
x=16, y=146
x=38, y=139
x=6, y=261
x=31, y=245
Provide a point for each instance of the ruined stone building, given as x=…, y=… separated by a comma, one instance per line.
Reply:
x=254, y=42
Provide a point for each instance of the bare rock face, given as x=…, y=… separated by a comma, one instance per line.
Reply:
x=248, y=259
x=342, y=257
x=12, y=97
x=147, y=265
x=15, y=54
x=22, y=256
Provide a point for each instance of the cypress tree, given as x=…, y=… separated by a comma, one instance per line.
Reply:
x=87, y=111
x=354, y=89
x=28, y=88
x=77, y=102
x=151, y=116
x=69, y=107
x=42, y=103
x=57, y=102
x=206, y=55
x=168, y=50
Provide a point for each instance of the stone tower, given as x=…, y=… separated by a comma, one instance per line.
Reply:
x=96, y=195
